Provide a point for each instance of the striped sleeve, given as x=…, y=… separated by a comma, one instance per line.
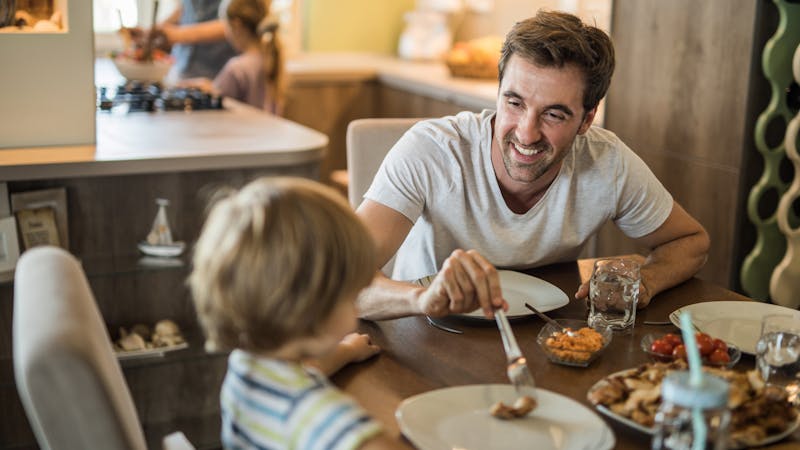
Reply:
x=327, y=419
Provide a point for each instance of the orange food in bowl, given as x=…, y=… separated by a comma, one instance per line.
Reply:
x=579, y=346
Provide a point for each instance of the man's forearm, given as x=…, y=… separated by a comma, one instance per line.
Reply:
x=675, y=262
x=388, y=299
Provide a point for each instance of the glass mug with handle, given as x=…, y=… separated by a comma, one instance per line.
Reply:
x=778, y=353
x=614, y=293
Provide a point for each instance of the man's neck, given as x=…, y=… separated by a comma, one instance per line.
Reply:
x=521, y=200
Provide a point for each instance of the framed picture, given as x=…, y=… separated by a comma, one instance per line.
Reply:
x=42, y=217
x=9, y=246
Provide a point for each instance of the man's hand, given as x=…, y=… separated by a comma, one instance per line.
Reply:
x=644, y=295
x=466, y=281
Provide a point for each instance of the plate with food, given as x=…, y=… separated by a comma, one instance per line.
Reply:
x=760, y=415
x=152, y=352
x=519, y=288
x=142, y=341
x=462, y=417
x=667, y=347
x=734, y=322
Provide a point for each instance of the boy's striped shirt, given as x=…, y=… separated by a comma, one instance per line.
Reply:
x=274, y=404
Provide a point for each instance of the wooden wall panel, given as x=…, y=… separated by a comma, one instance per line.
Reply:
x=328, y=107
x=679, y=99
x=398, y=103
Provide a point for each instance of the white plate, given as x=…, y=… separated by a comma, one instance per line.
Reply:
x=150, y=352
x=732, y=321
x=458, y=417
x=519, y=288
x=164, y=251
x=650, y=430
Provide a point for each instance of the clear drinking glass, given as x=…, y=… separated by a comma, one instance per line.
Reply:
x=778, y=352
x=613, y=294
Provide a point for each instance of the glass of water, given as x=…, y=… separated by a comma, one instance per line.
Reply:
x=613, y=294
x=778, y=351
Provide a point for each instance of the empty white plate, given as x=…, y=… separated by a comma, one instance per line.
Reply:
x=458, y=418
x=732, y=321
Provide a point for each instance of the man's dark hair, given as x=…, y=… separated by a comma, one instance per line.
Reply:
x=556, y=39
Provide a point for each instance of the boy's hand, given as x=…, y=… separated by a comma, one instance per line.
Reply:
x=354, y=347
x=357, y=347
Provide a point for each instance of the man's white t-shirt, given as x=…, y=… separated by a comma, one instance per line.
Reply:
x=440, y=176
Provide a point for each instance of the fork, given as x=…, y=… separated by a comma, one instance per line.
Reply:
x=551, y=321
x=517, y=369
x=441, y=326
x=675, y=317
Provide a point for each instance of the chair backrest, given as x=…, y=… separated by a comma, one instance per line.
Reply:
x=368, y=141
x=68, y=378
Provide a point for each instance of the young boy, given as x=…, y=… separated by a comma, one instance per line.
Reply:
x=277, y=268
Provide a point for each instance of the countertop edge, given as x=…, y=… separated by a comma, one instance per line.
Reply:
x=97, y=168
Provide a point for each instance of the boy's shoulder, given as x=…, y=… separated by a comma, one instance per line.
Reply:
x=273, y=375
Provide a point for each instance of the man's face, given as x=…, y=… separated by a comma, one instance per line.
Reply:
x=539, y=113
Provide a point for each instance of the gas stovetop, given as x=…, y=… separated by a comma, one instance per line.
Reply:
x=136, y=96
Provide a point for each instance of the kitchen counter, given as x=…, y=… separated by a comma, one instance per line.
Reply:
x=431, y=79
x=236, y=137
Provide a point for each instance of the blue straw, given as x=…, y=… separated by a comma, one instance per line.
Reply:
x=695, y=379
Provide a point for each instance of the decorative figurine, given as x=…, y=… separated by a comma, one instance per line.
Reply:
x=159, y=241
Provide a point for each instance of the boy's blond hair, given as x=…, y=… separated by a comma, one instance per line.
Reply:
x=273, y=260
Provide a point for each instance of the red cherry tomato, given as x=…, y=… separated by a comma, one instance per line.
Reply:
x=661, y=347
x=719, y=356
x=673, y=339
x=704, y=344
x=721, y=345
x=679, y=352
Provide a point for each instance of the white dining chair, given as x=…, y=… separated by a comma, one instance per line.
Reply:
x=68, y=378
x=368, y=142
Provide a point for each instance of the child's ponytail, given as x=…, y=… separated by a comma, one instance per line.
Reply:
x=272, y=48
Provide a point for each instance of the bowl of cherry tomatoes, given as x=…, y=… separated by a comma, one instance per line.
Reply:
x=669, y=347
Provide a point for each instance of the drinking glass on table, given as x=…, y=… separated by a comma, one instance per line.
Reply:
x=613, y=294
x=778, y=352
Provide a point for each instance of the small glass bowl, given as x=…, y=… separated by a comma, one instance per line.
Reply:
x=733, y=352
x=572, y=358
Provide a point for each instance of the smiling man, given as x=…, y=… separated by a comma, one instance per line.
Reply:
x=523, y=186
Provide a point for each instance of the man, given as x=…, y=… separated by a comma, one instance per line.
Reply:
x=524, y=186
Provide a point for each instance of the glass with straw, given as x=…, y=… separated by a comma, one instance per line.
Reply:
x=694, y=412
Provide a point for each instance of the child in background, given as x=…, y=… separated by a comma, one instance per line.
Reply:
x=277, y=269
x=256, y=75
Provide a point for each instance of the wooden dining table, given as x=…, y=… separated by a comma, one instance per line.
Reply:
x=417, y=357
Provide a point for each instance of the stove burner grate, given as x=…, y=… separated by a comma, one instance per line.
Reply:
x=135, y=96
